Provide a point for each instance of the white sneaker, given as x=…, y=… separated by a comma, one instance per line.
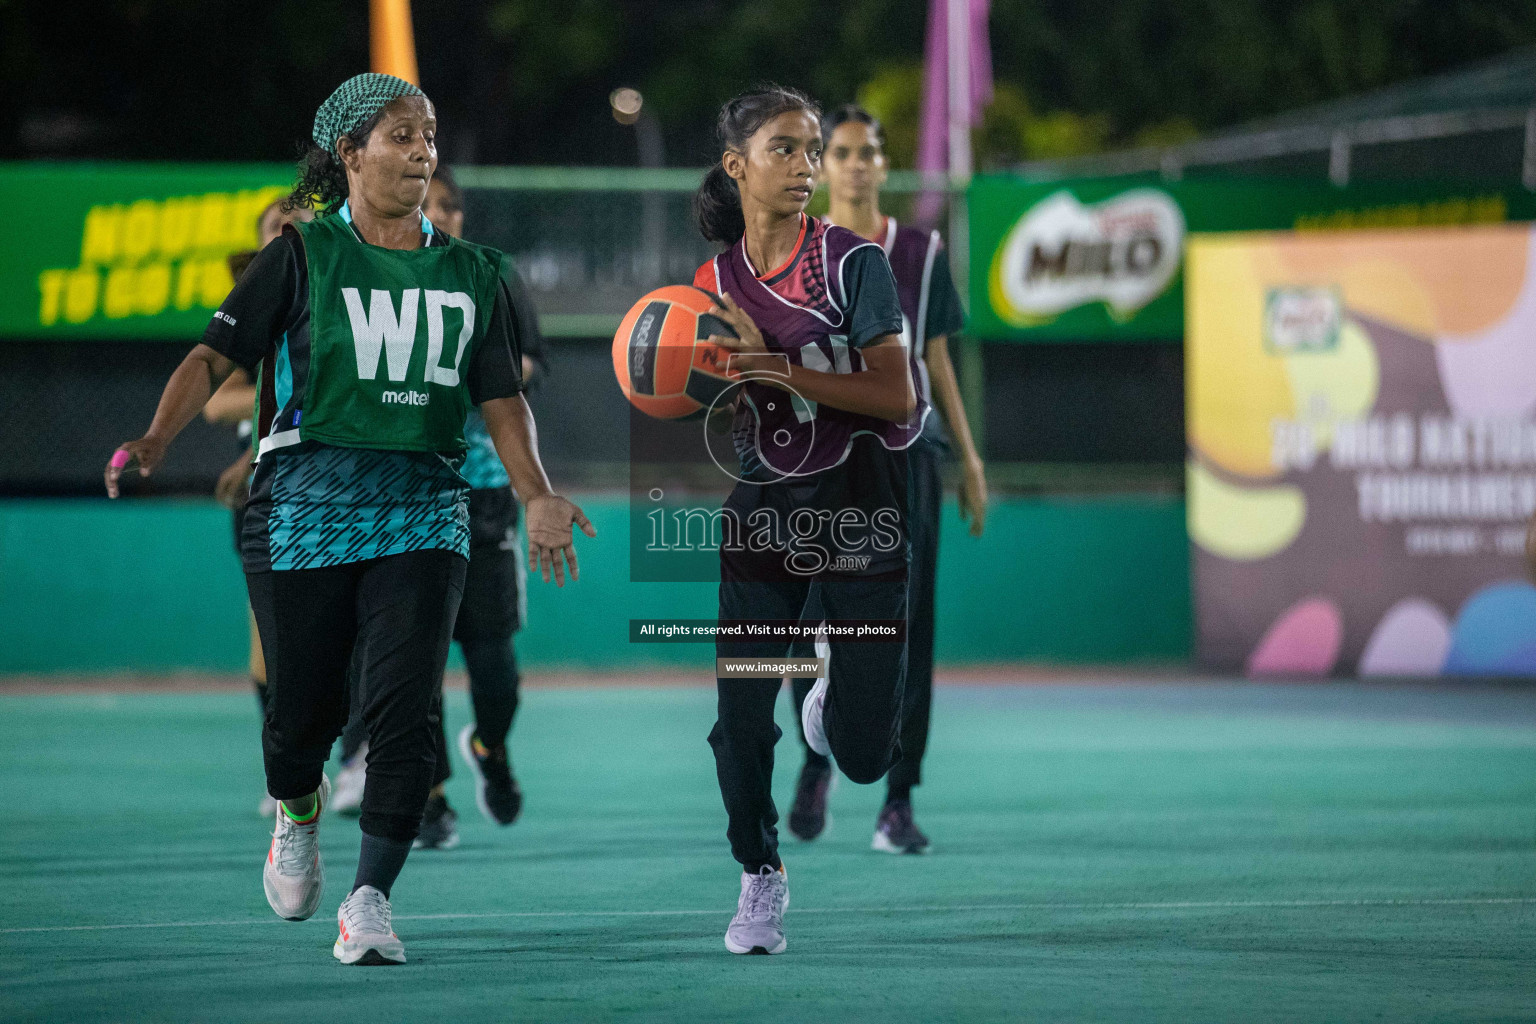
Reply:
x=348, y=797
x=294, y=875
x=365, y=936
x=811, y=713
x=758, y=926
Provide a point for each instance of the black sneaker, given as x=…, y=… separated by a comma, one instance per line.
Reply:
x=896, y=831
x=439, y=826
x=496, y=791
x=808, y=818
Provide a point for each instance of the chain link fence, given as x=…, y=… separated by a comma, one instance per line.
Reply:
x=590, y=241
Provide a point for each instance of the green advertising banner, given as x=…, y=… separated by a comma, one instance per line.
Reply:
x=126, y=250
x=1102, y=259
x=122, y=250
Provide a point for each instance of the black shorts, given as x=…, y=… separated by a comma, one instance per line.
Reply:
x=492, y=608
x=238, y=516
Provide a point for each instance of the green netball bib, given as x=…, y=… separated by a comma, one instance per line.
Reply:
x=392, y=336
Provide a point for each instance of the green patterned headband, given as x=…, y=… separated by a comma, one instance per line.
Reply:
x=353, y=103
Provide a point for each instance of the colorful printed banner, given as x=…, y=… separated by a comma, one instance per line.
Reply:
x=126, y=250
x=1102, y=259
x=1362, y=451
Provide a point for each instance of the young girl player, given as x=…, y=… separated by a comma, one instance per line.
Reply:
x=380, y=333
x=821, y=433
x=855, y=166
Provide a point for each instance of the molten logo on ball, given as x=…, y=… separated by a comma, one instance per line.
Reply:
x=640, y=347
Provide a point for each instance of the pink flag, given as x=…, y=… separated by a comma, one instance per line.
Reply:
x=933, y=137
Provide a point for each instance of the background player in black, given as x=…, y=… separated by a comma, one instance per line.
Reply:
x=232, y=405
x=855, y=168
x=493, y=607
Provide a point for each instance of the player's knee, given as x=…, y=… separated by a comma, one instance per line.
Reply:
x=401, y=828
x=738, y=729
x=862, y=766
x=492, y=664
x=298, y=741
x=863, y=774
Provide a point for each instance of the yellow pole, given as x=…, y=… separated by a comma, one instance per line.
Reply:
x=392, y=43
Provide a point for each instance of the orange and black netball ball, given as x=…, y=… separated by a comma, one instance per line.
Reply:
x=665, y=366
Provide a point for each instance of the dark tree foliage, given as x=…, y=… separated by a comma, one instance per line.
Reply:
x=527, y=81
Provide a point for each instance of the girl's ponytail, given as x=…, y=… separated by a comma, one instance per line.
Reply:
x=717, y=205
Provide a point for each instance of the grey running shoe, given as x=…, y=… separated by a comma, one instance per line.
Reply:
x=896, y=831
x=294, y=875
x=758, y=926
x=366, y=937
x=439, y=826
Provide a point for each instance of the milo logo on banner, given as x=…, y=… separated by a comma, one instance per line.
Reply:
x=1302, y=320
x=1063, y=254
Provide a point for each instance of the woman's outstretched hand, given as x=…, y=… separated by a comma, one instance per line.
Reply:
x=147, y=453
x=551, y=545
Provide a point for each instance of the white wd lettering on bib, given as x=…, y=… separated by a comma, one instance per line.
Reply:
x=436, y=302
x=378, y=330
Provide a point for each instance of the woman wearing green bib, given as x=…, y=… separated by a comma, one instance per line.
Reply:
x=375, y=335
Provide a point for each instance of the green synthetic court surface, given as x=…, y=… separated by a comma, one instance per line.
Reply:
x=1102, y=852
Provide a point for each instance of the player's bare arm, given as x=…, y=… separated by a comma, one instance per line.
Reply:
x=946, y=394
x=194, y=382
x=883, y=388
x=233, y=401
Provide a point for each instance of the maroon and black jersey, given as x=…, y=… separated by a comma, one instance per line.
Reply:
x=834, y=296
x=930, y=306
